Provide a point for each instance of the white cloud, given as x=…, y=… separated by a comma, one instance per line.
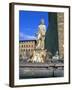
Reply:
x=23, y=36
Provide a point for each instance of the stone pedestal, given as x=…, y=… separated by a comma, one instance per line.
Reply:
x=39, y=56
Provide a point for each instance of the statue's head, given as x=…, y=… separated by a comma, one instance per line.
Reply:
x=42, y=21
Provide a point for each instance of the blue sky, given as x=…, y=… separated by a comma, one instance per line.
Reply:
x=28, y=23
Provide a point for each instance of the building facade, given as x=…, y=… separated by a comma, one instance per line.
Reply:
x=26, y=47
x=60, y=18
x=55, y=34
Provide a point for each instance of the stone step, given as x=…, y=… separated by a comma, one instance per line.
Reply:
x=41, y=65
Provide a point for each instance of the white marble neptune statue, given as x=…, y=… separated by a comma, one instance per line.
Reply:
x=41, y=35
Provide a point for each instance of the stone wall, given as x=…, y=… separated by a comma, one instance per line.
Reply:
x=60, y=20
